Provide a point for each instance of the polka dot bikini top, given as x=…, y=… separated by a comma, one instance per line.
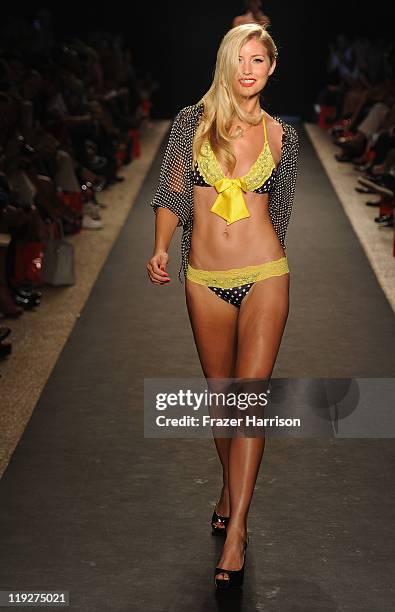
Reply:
x=230, y=203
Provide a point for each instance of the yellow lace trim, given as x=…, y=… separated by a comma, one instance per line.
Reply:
x=260, y=171
x=209, y=166
x=234, y=277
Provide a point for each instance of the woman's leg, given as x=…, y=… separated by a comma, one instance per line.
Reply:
x=214, y=325
x=261, y=323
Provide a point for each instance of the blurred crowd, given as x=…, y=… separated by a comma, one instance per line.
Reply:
x=357, y=107
x=70, y=117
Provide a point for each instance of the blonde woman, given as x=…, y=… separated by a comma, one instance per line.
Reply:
x=228, y=178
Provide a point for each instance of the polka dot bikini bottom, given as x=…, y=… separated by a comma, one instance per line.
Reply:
x=233, y=285
x=233, y=295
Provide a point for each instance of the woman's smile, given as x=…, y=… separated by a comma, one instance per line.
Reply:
x=247, y=82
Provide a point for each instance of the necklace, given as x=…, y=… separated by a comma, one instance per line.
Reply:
x=240, y=131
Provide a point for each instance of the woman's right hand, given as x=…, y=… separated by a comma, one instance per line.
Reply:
x=156, y=268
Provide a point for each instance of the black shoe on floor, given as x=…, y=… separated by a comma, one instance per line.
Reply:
x=5, y=349
x=4, y=332
x=388, y=223
x=341, y=157
x=364, y=190
x=218, y=518
x=235, y=580
x=26, y=293
x=26, y=303
x=383, y=218
x=362, y=167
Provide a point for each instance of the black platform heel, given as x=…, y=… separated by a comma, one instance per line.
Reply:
x=217, y=518
x=236, y=577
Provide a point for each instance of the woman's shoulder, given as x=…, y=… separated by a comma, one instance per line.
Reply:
x=189, y=114
x=278, y=124
x=289, y=139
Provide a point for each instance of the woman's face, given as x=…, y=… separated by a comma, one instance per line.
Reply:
x=254, y=68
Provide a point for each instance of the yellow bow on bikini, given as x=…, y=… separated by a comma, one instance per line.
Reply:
x=230, y=203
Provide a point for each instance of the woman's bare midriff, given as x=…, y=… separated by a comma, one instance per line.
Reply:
x=247, y=242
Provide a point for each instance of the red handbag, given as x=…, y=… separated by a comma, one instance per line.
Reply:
x=74, y=199
x=28, y=263
x=136, y=144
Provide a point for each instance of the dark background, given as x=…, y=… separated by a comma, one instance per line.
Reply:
x=177, y=43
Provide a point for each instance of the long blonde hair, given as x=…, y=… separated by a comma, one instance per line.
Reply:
x=220, y=102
